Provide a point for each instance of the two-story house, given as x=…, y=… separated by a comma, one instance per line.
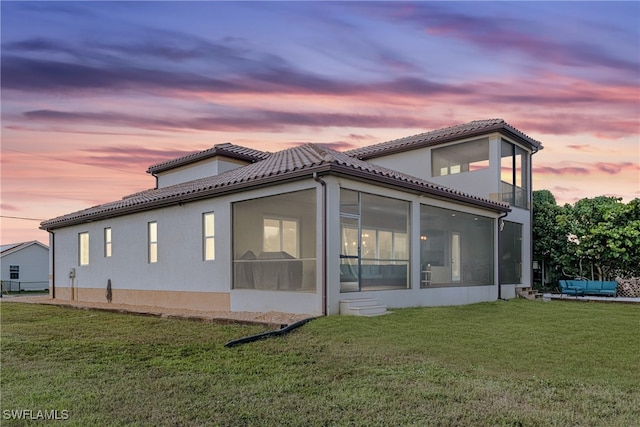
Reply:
x=438, y=218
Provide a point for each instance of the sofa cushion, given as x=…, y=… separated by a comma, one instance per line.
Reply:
x=580, y=284
x=593, y=285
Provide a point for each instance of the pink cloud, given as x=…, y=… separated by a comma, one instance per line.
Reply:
x=581, y=147
x=583, y=168
x=563, y=170
x=8, y=207
x=616, y=168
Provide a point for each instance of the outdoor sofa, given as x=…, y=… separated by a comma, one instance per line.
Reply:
x=589, y=287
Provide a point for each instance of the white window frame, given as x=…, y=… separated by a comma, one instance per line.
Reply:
x=281, y=220
x=108, y=246
x=83, y=248
x=208, y=237
x=152, y=250
x=14, y=272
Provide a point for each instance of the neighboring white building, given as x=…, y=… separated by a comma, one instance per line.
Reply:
x=439, y=218
x=24, y=266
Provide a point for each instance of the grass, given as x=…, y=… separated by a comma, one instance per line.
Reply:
x=26, y=292
x=516, y=363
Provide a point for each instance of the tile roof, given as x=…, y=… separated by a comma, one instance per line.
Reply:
x=439, y=136
x=290, y=164
x=227, y=150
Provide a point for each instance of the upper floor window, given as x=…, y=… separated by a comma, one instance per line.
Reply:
x=514, y=174
x=153, y=241
x=463, y=157
x=107, y=242
x=14, y=272
x=208, y=232
x=83, y=248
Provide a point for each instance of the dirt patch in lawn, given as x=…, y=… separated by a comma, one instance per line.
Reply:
x=272, y=318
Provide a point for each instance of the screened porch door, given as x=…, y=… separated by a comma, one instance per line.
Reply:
x=455, y=257
x=349, y=253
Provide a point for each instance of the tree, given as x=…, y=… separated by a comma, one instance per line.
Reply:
x=548, y=237
x=597, y=238
x=602, y=238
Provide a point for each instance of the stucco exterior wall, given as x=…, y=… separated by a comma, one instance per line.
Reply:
x=201, y=169
x=180, y=265
x=180, y=278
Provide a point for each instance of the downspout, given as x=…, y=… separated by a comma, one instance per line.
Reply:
x=500, y=228
x=324, y=242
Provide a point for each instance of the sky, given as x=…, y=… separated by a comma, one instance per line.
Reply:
x=93, y=93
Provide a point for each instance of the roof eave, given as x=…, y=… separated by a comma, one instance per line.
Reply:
x=181, y=199
x=307, y=172
x=390, y=182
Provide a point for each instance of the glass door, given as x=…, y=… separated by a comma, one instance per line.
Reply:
x=455, y=257
x=349, y=253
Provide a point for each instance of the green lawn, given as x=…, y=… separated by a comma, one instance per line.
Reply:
x=517, y=363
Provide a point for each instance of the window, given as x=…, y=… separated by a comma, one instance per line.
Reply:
x=514, y=174
x=14, y=272
x=153, y=242
x=464, y=157
x=83, y=248
x=208, y=233
x=385, y=244
x=456, y=248
x=107, y=242
x=274, y=242
x=511, y=253
x=280, y=235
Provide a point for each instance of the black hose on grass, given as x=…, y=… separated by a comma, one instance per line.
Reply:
x=269, y=334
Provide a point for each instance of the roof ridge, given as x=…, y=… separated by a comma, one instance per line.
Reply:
x=12, y=247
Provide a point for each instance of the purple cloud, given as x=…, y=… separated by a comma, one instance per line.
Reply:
x=253, y=119
x=130, y=156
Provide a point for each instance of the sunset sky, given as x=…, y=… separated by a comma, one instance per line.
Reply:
x=95, y=92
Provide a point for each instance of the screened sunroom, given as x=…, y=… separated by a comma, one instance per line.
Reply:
x=274, y=242
x=456, y=248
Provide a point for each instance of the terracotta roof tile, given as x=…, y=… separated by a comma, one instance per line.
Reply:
x=226, y=149
x=282, y=165
x=440, y=136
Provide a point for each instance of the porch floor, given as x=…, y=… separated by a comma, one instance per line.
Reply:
x=589, y=298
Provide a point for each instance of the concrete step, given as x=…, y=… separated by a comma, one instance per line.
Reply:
x=373, y=310
x=362, y=307
x=528, y=293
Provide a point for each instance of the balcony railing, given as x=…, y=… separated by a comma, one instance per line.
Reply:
x=515, y=196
